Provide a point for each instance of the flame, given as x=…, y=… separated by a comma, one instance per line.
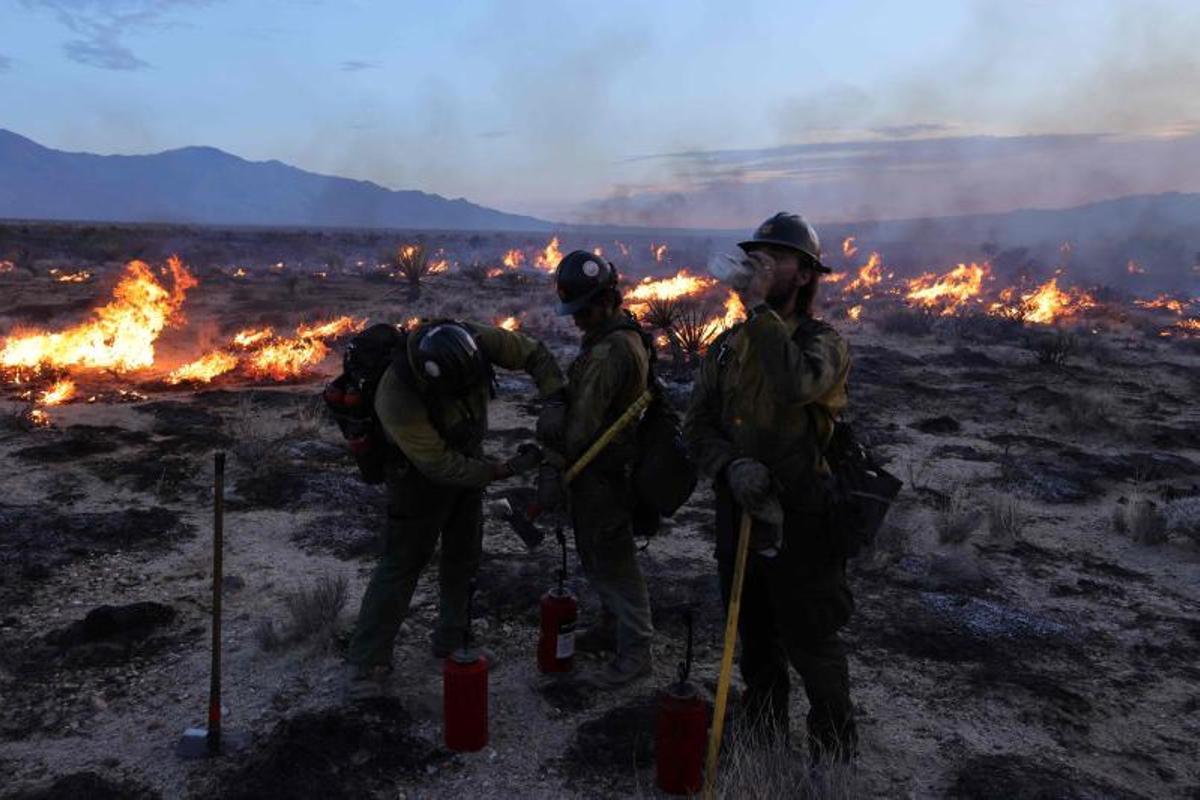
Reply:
x=439, y=266
x=735, y=312
x=680, y=284
x=411, y=323
x=1044, y=305
x=120, y=336
x=6, y=266
x=949, y=291
x=204, y=369
x=495, y=272
x=659, y=251
x=285, y=358
x=1134, y=268
x=513, y=259
x=59, y=393
x=869, y=275
x=251, y=337
x=39, y=418
x=334, y=328
x=320, y=275
x=548, y=259
x=1165, y=302
x=848, y=247
x=598, y=251
x=509, y=323
x=854, y=313
x=239, y=273
x=82, y=276
x=833, y=277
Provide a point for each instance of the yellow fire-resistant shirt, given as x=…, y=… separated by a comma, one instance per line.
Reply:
x=764, y=393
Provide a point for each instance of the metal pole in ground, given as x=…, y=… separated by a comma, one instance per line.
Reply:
x=731, y=626
x=214, y=691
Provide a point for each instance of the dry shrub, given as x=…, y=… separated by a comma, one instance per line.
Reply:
x=259, y=439
x=476, y=272
x=956, y=519
x=1005, y=518
x=894, y=538
x=1052, y=349
x=1142, y=520
x=313, y=613
x=982, y=328
x=753, y=767
x=1086, y=412
x=1183, y=517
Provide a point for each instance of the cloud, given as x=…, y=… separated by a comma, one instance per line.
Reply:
x=498, y=134
x=897, y=178
x=357, y=66
x=5, y=63
x=101, y=26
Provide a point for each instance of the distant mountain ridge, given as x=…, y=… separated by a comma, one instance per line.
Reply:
x=207, y=186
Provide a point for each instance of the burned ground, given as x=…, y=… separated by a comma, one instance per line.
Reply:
x=1056, y=662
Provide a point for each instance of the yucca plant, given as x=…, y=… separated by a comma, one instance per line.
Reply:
x=412, y=261
x=693, y=330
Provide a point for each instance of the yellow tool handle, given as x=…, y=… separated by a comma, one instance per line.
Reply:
x=731, y=626
x=623, y=421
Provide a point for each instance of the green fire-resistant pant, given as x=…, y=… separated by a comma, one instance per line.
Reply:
x=418, y=512
x=601, y=504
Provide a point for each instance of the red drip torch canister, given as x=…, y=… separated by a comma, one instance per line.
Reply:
x=681, y=731
x=465, y=701
x=680, y=739
x=560, y=610
x=556, y=647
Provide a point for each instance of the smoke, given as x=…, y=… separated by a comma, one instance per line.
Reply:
x=1003, y=119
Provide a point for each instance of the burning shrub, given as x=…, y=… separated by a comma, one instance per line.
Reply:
x=1052, y=349
x=1142, y=520
x=957, y=519
x=412, y=262
x=906, y=323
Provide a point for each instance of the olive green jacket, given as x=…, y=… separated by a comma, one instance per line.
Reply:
x=609, y=374
x=449, y=452
x=764, y=393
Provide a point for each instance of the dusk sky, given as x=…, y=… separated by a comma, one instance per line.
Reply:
x=680, y=113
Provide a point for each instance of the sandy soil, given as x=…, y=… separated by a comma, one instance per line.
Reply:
x=1061, y=662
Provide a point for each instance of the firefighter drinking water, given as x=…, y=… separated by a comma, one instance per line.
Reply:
x=431, y=403
x=761, y=414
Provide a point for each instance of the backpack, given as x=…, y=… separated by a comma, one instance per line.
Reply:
x=664, y=474
x=350, y=397
x=858, y=492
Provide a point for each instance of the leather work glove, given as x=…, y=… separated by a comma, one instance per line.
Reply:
x=766, y=531
x=750, y=482
x=528, y=457
x=551, y=493
x=552, y=420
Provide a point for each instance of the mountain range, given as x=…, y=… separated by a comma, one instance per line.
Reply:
x=207, y=186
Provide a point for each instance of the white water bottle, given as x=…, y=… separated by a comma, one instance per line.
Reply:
x=732, y=270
